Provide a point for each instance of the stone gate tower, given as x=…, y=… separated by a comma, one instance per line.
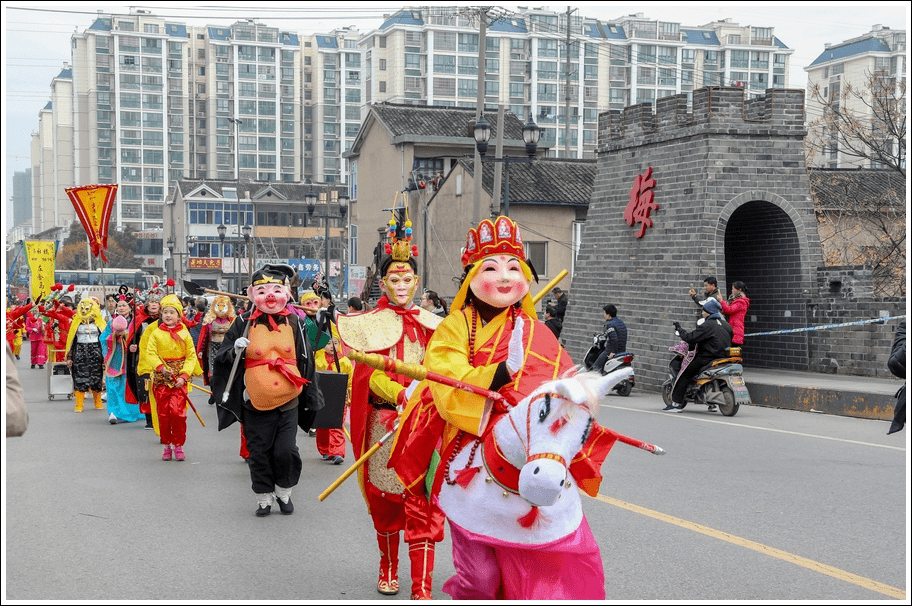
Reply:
x=733, y=202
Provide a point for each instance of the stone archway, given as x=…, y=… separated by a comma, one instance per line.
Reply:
x=764, y=244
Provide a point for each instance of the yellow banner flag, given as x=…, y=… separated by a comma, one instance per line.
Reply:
x=94, y=204
x=41, y=261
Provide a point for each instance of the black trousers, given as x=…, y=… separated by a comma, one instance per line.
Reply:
x=274, y=457
x=686, y=378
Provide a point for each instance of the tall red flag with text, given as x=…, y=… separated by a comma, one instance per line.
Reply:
x=94, y=204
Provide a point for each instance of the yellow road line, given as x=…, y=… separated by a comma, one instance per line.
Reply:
x=855, y=579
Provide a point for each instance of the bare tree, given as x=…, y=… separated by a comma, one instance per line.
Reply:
x=866, y=123
x=861, y=217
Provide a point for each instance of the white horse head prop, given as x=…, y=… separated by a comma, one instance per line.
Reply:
x=558, y=420
x=527, y=495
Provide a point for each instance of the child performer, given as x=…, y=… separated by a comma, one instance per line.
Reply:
x=171, y=359
x=114, y=341
x=331, y=442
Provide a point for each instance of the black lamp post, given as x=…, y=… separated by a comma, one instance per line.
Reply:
x=246, y=230
x=531, y=135
x=222, y=230
x=310, y=198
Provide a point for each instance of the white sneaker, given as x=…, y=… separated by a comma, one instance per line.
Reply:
x=112, y=419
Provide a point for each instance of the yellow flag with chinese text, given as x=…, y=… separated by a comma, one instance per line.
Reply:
x=41, y=261
x=94, y=204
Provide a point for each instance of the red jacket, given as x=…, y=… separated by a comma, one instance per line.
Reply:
x=736, y=311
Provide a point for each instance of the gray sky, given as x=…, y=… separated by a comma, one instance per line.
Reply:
x=37, y=42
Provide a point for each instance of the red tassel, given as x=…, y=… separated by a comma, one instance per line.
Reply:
x=464, y=476
x=527, y=520
x=170, y=282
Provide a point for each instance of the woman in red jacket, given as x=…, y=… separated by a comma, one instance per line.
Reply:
x=736, y=309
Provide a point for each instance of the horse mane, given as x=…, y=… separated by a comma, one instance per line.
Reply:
x=573, y=386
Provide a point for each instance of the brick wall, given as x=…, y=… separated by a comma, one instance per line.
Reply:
x=729, y=163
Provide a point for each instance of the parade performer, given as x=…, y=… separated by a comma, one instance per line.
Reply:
x=35, y=329
x=60, y=317
x=15, y=326
x=310, y=302
x=216, y=323
x=83, y=352
x=267, y=366
x=397, y=328
x=143, y=317
x=331, y=441
x=170, y=359
x=114, y=341
x=491, y=339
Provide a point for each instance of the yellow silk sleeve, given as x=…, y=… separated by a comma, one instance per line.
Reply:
x=146, y=366
x=383, y=386
x=448, y=354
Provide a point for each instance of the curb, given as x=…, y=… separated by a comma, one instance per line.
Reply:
x=876, y=406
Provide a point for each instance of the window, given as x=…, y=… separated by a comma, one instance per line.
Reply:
x=711, y=57
x=412, y=61
x=646, y=53
x=547, y=48
x=740, y=58
x=668, y=54
x=547, y=70
x=688, y=55
x=468, y=43
x=759, y=60
x=353, y=95
x=537, y=254
x=491, y=89
x=445, y=87
x=153, y=156
x=547, y=92
x=445, y=41
x=382, y=86
x=468, y=66
x=517, y=90
x=382, y=65
x=201, y=53
x=445, y=64
x=666, y=77
x=130, y=156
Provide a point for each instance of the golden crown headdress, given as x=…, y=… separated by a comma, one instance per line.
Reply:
x=400, y=249
x=500, y=237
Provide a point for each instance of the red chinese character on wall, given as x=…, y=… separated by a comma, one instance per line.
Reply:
x=641, y=202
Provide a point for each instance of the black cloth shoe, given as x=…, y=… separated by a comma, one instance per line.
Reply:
x=262, y=512
x=286, y=508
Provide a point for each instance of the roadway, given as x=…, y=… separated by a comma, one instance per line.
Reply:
x=771, y=504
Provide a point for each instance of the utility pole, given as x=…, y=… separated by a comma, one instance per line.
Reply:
x=479, y=109
x=567, y=90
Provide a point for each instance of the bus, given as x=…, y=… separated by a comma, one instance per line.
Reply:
x=88, y=282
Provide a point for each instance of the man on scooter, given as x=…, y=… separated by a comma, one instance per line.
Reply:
x=711, y=338
x=615, y=336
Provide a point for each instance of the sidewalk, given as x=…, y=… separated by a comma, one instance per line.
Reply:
x=863, y=397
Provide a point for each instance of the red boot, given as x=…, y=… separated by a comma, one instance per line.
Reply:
x=388, y=583
x=421, y=555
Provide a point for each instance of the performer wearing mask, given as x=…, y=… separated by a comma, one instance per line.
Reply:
x=84, y=356
x=397, y=328
x=272, y=391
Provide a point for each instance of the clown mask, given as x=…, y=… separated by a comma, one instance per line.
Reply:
x=500, y=281
x=269, y=298
x=399, y=284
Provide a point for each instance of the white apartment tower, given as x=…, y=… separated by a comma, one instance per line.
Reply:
x=881, y=51
x=333, y=99
x=430, y=55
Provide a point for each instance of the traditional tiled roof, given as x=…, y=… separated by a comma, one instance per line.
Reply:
x=259, y=190
x=545, y=181
x=870, y=188
x=844, y=51
x=434, y=121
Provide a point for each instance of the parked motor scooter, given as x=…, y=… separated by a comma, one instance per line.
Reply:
x=719, y=385
x=621, y=360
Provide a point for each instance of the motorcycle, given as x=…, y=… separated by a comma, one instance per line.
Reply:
x=621, y=360
x=720, y=385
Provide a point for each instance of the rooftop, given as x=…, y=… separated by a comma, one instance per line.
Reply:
x=545, y=181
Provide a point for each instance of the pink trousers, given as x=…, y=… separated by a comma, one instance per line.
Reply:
x=488, y=569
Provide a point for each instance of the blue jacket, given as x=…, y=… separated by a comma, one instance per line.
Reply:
x=616, y=332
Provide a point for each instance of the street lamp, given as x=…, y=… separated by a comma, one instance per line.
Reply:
x=250, y=246
x=237, y=145
x=310, y=198
x=531, y=134
x=222, y=230
x=170, y=244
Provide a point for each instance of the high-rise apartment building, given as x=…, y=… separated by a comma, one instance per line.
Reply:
x=430, y=55
x=880, y=53
x=333, y=98
x=52, y=157
x=22, y=196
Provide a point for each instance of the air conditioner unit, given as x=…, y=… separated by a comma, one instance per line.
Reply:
x=201, y=131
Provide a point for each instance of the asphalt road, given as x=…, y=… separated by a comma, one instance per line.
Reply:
x=768, y=505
